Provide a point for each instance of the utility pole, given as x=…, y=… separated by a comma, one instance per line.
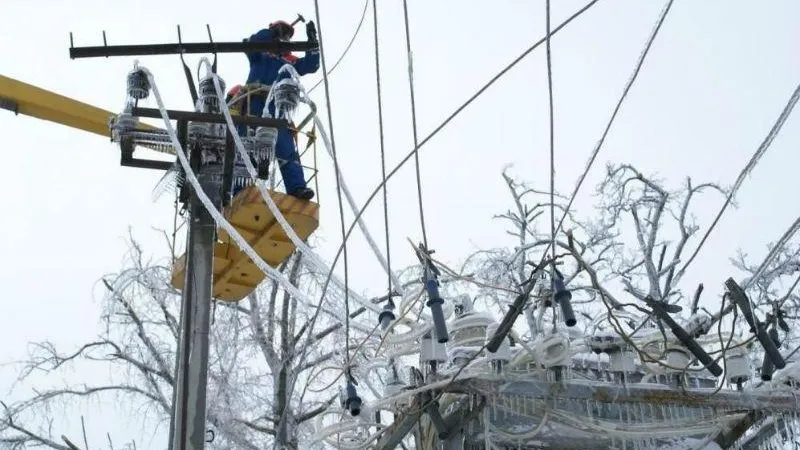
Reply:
x=188, y=427
x=188, y=416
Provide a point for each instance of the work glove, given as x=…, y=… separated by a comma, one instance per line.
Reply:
x=311, y=31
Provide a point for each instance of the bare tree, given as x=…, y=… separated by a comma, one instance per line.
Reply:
x=632, y=246
x=633, y=242
x=258, y=358
x=275, y=359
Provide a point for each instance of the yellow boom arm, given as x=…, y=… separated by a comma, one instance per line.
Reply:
x=32, y=101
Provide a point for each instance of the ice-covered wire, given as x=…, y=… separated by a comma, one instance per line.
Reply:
x=769, y=258
x=410, y=57
x=452, y=116
x=774, y=252
x=338, y=177
x=748, y=168
x=349, y=44
x=552, y=148
x=220, y=220
x=600, y=142
x=346, y=191
x=383, y=147
x=398, y=286
x=287, y=228
x=285, y=225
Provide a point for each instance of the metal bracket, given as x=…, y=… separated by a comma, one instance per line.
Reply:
x=213, y=49
x=191, y=47
x=187, y=72
x=251, y=121
x=127, y=159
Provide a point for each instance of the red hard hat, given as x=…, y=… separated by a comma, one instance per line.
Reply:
x=287, y=28
x=235, y=90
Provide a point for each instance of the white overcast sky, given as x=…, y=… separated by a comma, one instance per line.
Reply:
x=716, y=79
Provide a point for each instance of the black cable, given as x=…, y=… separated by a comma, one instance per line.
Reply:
x=383, y=151
x=414, y=124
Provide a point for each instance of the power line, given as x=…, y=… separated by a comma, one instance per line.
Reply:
x=551, y=244
x=776, y=127
x=383, y=150
x=599, y=145
x=338, y=191
x=552, y=141
x=414, y=122
x=437, y=130
x=347, y=48
x=774, y=252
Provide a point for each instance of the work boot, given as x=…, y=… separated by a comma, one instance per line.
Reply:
x=303, y=193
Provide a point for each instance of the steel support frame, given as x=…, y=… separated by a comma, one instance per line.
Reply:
x=204, y=117
x=634, y=393
x=758, y=403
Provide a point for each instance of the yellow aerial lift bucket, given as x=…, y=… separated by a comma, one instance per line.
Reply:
x=235, y=274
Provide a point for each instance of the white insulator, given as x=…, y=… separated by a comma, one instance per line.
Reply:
x=287, y=97
x=431, y=350
x=394, y=385
x=503, y=352
x=621, y=360
x=604, y=341
x=737, y=368
x=552, y=351
x=470, y=329
x=266, y=137
x=208, y=93
x=678, y=358
x=138, y=84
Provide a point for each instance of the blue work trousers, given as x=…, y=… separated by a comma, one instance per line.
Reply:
x=285, y=151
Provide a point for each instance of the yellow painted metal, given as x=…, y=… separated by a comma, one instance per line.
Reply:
x=235, y=274
x=37, y=102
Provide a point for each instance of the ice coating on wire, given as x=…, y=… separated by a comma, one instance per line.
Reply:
x=274, y=208
x=351, y=202
x=271, y=203
x=272, y=273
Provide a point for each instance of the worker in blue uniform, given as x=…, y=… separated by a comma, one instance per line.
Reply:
x=264, y=67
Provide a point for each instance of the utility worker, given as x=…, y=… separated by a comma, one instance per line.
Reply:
x=264, y=73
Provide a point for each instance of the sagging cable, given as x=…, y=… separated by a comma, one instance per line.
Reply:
x=661, y=310
x=272, y=273
x=268, y=198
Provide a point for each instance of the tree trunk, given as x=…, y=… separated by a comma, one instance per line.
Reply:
x=286, y=436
